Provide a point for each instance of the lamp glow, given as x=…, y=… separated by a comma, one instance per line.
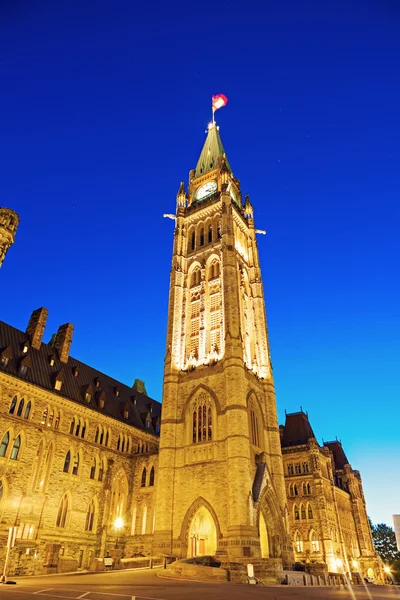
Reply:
x=355, y=564
x=338, y=562
x=118, y=523
x=386, y=569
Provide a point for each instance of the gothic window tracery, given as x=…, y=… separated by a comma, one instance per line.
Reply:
x=16, y=448
x=202, y=421
x=298, y=542
x=90, y=516
x=62, y=512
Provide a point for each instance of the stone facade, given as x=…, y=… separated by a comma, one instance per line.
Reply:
x=327, y=511
x=84, y=474
x=9, y=221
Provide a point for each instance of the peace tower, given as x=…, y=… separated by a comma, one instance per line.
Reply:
x=220, y=478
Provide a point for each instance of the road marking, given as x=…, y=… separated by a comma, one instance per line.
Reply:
x=55, y=595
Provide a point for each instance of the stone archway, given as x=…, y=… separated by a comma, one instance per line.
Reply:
x=273, y=537
x=200, y=531
x=202, y=534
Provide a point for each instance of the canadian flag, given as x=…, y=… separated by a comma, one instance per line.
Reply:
x=219, y=101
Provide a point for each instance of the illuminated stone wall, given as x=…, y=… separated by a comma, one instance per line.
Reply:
x=34, y=483
x=338, y=517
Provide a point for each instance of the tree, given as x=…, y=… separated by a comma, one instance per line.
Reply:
x=385, y=544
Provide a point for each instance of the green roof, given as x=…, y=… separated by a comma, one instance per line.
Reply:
x=212, y=149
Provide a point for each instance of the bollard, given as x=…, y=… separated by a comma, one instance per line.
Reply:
x=305, y=579
x=165, y=562
x=150, y=563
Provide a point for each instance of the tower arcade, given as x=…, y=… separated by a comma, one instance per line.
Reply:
x=220, y=477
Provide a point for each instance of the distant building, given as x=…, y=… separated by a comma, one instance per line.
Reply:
x=326, y=504
x=396, y=523
x=83, y=472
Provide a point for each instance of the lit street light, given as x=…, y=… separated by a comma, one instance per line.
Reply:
x=118, y=525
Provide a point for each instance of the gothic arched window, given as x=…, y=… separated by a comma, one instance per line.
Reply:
x=91, y=511
x=101, y=471
x=202, y=420
x=62, y=512
x=314, y=542
x=299, y=542
x=310, y=512
x=151, y=480
x=13, y=405
x=193, y=241
x=93, y=469
x=202, y=236
x=67, y=462
x=75, y=465
x=144, y=476
x=303, y=511
x=28, y=410
x=4, y=444
x=296, y=512
x=20, y=408
x=16, y=448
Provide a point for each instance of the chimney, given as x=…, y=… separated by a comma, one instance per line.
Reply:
x=63, y=340
x=36, y=325
x=139, y=386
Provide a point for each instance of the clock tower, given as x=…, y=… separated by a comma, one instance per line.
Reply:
x=220, y=488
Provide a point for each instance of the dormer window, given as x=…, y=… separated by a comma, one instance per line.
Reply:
x=58, y=381
x=126, y=414
x=75, y=371
x=4, y=360
x=87, y=393
x=101, y=399
x=25, y=347
x=52, y=360
x=24, y=365
x=97, y=382
x=116, y=391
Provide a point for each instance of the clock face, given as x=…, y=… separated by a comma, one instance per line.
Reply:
x=206, y=190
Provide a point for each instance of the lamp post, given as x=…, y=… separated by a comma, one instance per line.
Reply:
x=118, y=525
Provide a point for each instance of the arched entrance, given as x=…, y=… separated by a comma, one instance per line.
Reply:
x=263, y=537
x=274, y=542
x=202, y=534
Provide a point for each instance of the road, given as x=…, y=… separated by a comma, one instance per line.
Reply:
x=145, y=585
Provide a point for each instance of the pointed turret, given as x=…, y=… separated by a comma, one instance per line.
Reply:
x=181, y=195
x=248, y=208
x=211, y=152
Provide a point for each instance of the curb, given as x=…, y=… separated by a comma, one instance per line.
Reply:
x=80, y=573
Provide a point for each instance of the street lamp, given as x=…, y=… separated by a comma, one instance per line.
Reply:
x=118, y=525
x=355, y=564
x=387, y=569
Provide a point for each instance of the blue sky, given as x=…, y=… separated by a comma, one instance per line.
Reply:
x=104, y=107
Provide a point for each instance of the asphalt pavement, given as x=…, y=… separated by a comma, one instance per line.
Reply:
x=146, y=585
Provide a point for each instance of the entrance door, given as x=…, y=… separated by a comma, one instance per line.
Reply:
x=202, y=534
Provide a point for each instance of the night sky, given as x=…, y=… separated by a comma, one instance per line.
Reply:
x=104, y=107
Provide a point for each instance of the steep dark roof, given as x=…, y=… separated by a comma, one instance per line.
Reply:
x=212, y=149
x=339, y=456
x=297, y=430
x=42, y=374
